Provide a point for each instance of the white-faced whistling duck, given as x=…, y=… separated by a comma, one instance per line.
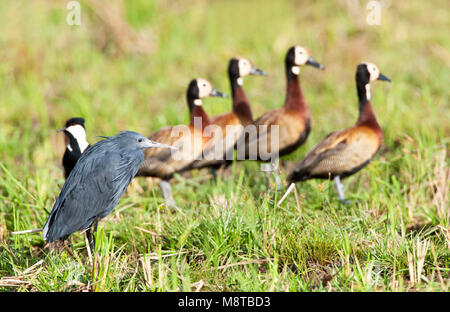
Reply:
x=189, y=140
x=345, y=152
x=292, y=119
x=76, y=144
x=231, y=124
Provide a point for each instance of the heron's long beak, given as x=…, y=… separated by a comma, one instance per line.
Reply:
x=214, y=92
x=383, y=77
x=161, y=145
x=311, y=61
x=257, y=71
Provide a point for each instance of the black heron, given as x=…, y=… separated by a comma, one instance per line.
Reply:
x=97, y=182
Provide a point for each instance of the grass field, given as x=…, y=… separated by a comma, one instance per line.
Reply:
x=130, y=71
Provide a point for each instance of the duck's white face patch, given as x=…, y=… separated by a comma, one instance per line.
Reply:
x=79, y=134
x=240, y=81
x=373, y=71
x=301, y=56
x=204, y=88
x=198, y=102
x=245, y=67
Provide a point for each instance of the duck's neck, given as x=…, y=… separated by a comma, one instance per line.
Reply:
x=72, y=144
x=366, y=114
x=77, y=136
x=295, y=99
x=198, y=117
x=241, y=106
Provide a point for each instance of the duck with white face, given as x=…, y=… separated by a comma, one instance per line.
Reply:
x=343, y=153
x=282, y=130
x=231, y=124
x=188, y=139
x=76, y=143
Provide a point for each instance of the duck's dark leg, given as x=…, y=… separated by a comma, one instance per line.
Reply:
x=340, y=190
x=267, y=168
x=275, y=166
x=167, y=193
x=213, y=173
x=272, y=167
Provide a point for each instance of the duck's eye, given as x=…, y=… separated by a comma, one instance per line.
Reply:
x=140, y=140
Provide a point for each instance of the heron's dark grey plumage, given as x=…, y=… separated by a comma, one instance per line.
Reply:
x=97, y=182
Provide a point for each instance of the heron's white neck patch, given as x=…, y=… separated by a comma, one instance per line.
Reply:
x=198, y=102
x=368, y=91
x=295, y=70
x=79, y=134
x=240, y=81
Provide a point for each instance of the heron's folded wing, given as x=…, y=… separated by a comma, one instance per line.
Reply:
x=92, y=191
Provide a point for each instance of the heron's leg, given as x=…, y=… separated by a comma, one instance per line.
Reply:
x=90, y=233
x=167, y=193
x=89, y=245
x=340, y=190
x=94, y=225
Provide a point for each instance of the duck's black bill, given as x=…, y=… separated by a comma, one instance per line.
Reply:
x=257, y=71
x=214, y=92
x=314, y=63
x=61, y=129
x=383, y=77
